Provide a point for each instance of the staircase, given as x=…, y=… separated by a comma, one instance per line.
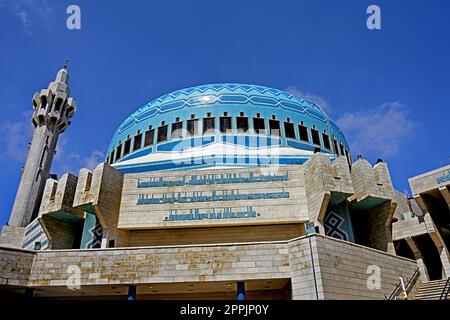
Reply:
x=432, y=290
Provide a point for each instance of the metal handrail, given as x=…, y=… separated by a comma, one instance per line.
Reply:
x=445, y=291
x=397, y=285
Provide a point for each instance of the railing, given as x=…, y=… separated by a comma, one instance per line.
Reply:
x=445, y=291
x=397, y=285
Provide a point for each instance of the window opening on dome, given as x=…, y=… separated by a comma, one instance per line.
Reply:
x=259, y=126
x=119, y=152
x=315, y=136
x=303, y=131
x=177, y=130
x=192, y=127
x=342, y=149
x=336, y=149
x=274, y=126
x=111, y=158
x=162, y=133
x=149, y=137
x=137, y=144
x=225, y=125
x=126, y=147
x=289, y=130
x=209, y=125
x=326, y=141
x=242, y=124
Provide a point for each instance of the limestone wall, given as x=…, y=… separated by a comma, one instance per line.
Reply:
x=343, y=269
x=15, y=266
x=322, y=178
x=270, y=207
x=319, y=267
x=430, y=180
x=163, y=264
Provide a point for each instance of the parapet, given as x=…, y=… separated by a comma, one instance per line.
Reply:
x=371, y=181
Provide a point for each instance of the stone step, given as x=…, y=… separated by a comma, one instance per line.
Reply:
x=433, y=283
x=428, y=292
x=420, y=295
x=427, y=298
x=436, y=295
x=431, y=290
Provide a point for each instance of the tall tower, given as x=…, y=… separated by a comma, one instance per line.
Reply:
x=52, y=110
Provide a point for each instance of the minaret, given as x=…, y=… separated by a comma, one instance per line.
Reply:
x=52, y=110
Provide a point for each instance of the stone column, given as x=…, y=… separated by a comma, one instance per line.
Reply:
x=419, y=259
x=446, y=194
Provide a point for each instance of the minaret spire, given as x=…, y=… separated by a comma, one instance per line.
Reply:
x=53, y=107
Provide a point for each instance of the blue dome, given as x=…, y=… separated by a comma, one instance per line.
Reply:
x=205, y=125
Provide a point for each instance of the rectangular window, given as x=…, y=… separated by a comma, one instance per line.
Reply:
x=149, y=137
x=177, y=130
x=342, y=149
x=192, y=127
x=225, y=124
x=336, y=149
x=259, y=125
x=58, y=104
x=326, y=141
x=119, y=152
x=111, y=158
x=242, y=124
x=315, y=136
x=162, y=134
x=274, y=126
x=137, y=142
x=303, y=131
x=289, y=130
x=209, y=125
x=126, y=147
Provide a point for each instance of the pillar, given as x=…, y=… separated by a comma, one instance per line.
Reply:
x=418, y=256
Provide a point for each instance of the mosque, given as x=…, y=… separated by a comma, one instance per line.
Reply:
x=221, y=191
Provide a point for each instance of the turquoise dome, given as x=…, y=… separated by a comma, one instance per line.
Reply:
x=230, y=114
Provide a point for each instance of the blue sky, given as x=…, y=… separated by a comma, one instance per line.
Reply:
x=388, y=89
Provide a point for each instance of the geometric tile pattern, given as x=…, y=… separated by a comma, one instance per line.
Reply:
x=96, y=233
x=333, y=224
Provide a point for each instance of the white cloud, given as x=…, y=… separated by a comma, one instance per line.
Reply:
x=377, y=132
x=14, y=137
x=320, y=101
x=72, y=162
x=31, y=13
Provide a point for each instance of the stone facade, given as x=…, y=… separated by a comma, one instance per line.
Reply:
x=316, y=227
x=317, y=266
x=424, y=226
